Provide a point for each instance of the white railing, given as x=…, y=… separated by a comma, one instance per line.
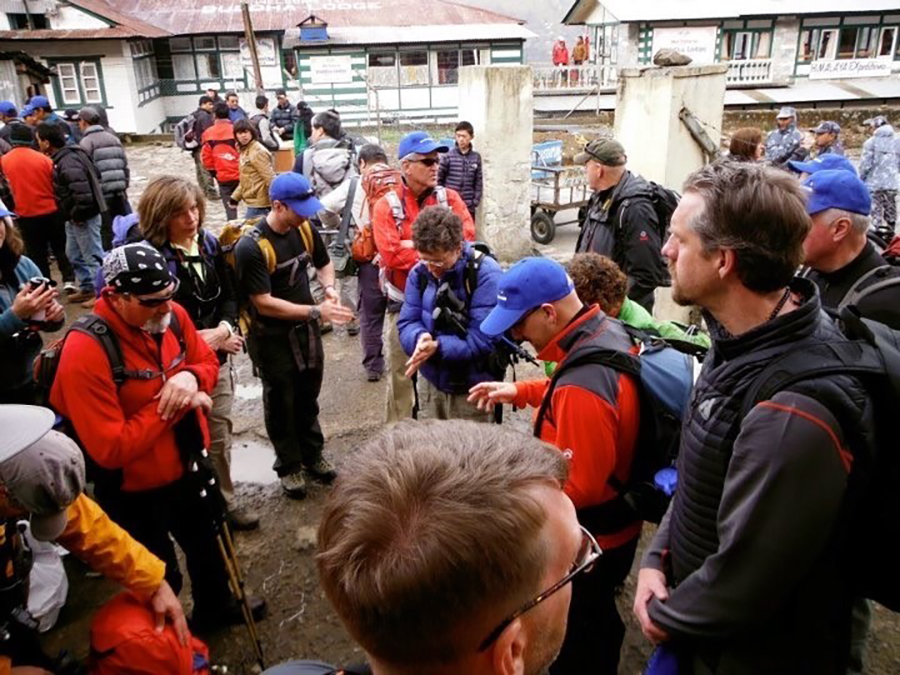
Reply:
x=548, y=77
x=750, y=71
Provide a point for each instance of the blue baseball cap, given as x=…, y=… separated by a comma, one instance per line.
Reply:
x=294, y=190
x=829, y=162
x=529, y=283
x=420, y=143
x=8, y=108
x=27, y=110
x=837, y=190
x=39, y=102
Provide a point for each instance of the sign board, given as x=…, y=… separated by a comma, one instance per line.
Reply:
x=849, y=68
x=265, y=48
x=698, y=42
x=331, y=69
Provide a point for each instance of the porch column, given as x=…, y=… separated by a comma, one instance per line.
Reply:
x=498, y=101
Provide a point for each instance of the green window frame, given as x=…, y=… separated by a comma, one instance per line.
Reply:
x=79, y=81
x=745, y=44
x=207, y=58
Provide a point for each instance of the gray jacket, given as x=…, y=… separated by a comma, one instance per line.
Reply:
x=108, y=155
x=781, y=145
x=880, y=163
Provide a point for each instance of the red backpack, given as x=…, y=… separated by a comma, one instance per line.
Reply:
x=124, y=641
x=376, y=183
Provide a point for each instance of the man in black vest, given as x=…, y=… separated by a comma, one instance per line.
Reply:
x=742, y=575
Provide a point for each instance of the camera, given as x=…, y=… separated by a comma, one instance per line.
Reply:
x=36, y=282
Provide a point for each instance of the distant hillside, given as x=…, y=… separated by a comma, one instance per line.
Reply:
x=542, y=17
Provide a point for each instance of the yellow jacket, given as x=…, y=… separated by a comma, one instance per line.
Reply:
x=257, y=175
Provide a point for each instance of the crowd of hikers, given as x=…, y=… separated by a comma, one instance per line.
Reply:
x=756, y=443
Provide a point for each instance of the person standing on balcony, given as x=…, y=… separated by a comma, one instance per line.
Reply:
x=827, y=142
x=561, y=57
x=579, y=56
x=783, y=143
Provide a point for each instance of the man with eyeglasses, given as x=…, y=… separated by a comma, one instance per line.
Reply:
x=392, y=220
x=591, y=412
x=449, y=549
x=138, y=428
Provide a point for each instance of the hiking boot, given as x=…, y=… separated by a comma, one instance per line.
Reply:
x=322, y=471
x=230, y=615
x=80, y=296
x=69, y=287
x=243, y=519
x=373, y=376
x=353, y=328
x=294, y=485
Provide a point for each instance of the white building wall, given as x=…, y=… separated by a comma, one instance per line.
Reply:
x=71, y=17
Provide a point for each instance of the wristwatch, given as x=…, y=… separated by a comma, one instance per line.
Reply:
x=314, y=313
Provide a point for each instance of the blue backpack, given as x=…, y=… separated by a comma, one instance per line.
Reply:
x=664, y=372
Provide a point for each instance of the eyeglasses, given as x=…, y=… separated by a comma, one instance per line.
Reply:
x=428, y=161
x=588, y=554
x=156, y=302
x=521, y=322
x=440, y=264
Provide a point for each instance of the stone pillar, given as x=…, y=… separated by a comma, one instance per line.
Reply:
x=658, y=144
x=498, y=101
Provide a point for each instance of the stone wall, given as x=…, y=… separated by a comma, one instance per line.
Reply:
x=784, y=49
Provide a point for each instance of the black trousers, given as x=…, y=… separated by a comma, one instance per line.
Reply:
x=595, y=633
x=150, y=516
x=225, y=192
x=290, y=401
x=42, y=232
x=116, y=205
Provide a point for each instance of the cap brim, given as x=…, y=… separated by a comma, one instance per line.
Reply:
x=582, y=158
x=501, y=320
x=22, y=426
x=804, y=167
x=303, y=207
x=428, y=148
x=49, y=527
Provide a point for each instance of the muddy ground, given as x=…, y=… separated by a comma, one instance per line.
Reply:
x=278, y=558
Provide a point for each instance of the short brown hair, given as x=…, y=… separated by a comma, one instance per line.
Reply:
x=436, y=525
x=757, y=211
x=163, y=198
x=437, y=229
x=13, y=239
x=744, y=144
x=598, y=281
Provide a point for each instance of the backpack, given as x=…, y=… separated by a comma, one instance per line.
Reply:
x=892, y=252
x=270, y=143
x=664, y=202
x=124, y=641
x=185, y=138
x=870, y=352
x=664, y=374
x=375, y=184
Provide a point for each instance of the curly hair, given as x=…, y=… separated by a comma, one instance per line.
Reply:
x=437, y=229
x=598, y=281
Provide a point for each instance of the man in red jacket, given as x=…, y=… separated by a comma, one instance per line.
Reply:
x=593, y=416
x=392, y=222
x=221, y=157
x=140, y=433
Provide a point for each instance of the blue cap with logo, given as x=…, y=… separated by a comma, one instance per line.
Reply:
x=294, y=190
x=829, y=162
x=27, y=110
x=420, y=143
x=528, y=284
x=837, y=190
x=8, y=108
x=39, y=102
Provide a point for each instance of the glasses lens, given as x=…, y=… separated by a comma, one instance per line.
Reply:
x=430, y=161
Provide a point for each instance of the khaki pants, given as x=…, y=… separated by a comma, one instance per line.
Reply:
x=400, y=396
x=435, y=404
x=220, y=428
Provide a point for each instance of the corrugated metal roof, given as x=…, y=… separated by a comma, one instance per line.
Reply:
x=183, y=17
x=629, y=11
x=377, y=35
x=125, y=26
x=125, y=20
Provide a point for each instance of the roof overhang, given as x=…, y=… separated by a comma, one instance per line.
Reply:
x=391, y=35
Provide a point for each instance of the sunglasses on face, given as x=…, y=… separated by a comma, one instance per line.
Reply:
x=156, y=302
x=588, y=554
x=428, y=161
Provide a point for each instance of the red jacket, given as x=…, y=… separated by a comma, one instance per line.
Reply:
x=560, y=54
x=30, y=177
x=396, y=260
x=599, y=433
x=220, y=153
x=122, y=429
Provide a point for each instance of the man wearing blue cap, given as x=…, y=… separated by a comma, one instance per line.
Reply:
x=827, y=141
x=9, y=115
x=829, y=162
x=285, y=340
x=392, y=223
x=43, y=112
x=592, y=413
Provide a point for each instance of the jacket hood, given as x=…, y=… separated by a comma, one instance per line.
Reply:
x=884, y=131
x=883, y=139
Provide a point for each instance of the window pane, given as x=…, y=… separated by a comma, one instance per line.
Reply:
x=208, y=67
x=231, y=66
x=180, y=44
x=413, y=68
x=290, y=62
x=847, y=44
x=228, y=42
x=90, y=83
x=383, y=70
x=382, y=60
x=764, y=47
x=868, y=41
x=183, y=64
x=448, y=66
x=469, y=57
x=727, y=45
x=413, y=58
x=806, y=46
x=827, y=47
x=68, y=83
x=887, y=41
x=204, y=43
x=742, y=44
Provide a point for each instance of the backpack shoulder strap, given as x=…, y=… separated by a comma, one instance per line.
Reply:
x=397, y=209
x=441, y=193
x=266, y=248
x=470, y=275
x=307, y=236
x=862, y=287
x=97, y=328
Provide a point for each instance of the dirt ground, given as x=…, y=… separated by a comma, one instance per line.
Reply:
x=278, y=558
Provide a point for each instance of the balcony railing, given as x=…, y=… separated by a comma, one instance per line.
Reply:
x=548, y=77
x=750, y=71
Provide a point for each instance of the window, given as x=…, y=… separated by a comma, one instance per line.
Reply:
x=232, y=66
x=744, y=45
x=180, y=44
x=886, y=45
x=469, y=57
x=208, y=67
x=204, y=44
x=90, y=83
x=290, y=62
x=229, y=42
x=68, y=83
x=448, y=66
x=145, y=73
x=20, y=21
x=141, y=48
x=414, y=68
x=818, y=43
x=827, y=48
x=183, y=65
x=382, y=70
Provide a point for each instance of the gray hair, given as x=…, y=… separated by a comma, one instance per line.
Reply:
x=858, y=221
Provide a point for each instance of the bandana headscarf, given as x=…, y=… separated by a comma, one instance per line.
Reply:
x=138, y=269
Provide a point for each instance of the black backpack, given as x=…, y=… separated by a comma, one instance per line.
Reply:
x=664, y=202
x=871, y=352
